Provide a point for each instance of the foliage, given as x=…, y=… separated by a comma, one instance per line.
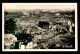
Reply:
x=19, y=36
x=9, y=40
x=14, y=15
x=10, y=26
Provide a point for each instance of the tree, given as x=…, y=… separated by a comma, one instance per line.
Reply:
x=9, y=40
x=10, y=26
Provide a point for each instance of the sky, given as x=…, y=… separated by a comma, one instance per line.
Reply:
x=31, y=6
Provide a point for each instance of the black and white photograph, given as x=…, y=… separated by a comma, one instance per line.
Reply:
x=39, y=27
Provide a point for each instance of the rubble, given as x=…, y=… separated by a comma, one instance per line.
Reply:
x=44, y=30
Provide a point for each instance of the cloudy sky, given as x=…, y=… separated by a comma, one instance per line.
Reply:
x=30, y=6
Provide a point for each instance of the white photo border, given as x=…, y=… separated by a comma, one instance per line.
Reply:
x=76, y=28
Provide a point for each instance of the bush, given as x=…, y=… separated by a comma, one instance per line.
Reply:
x=9, y=40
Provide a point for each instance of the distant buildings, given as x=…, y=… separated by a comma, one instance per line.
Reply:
x=63, y=23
